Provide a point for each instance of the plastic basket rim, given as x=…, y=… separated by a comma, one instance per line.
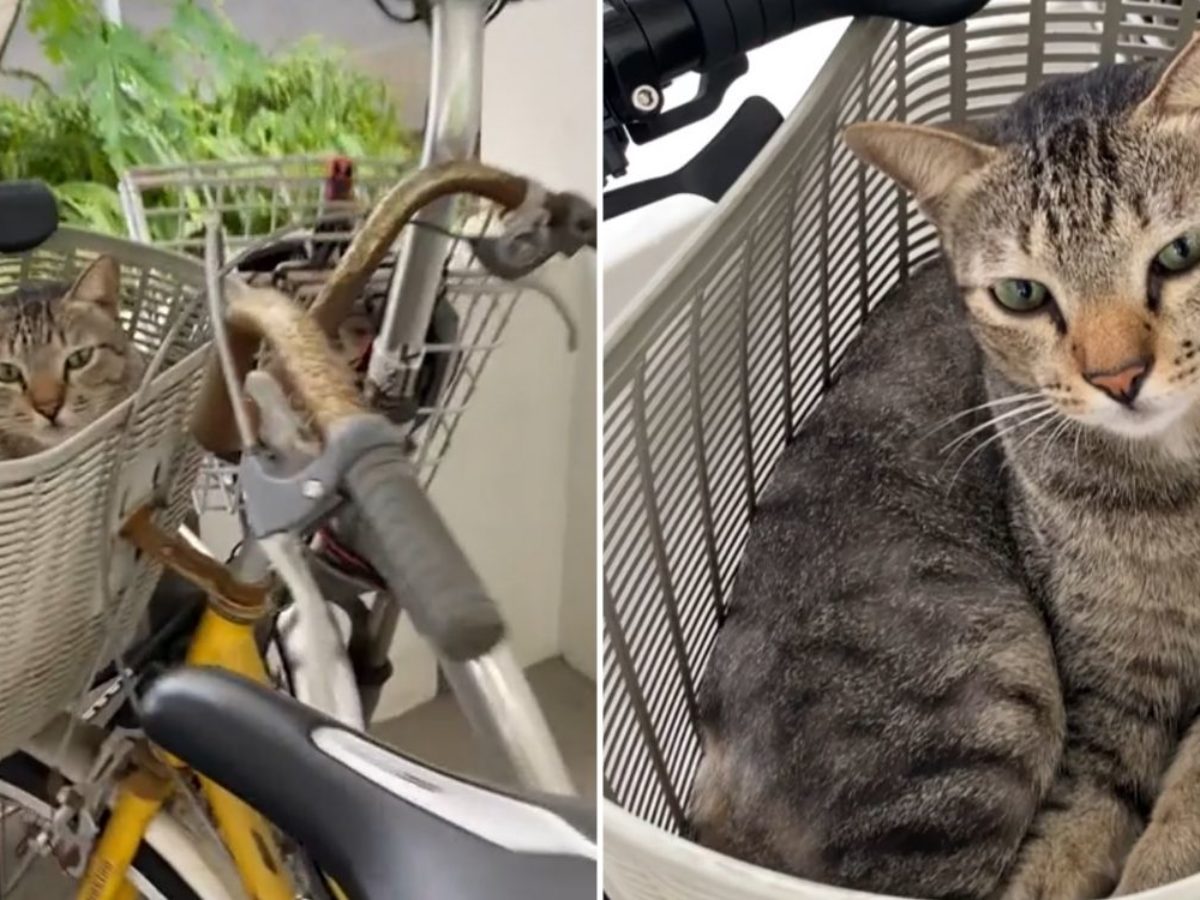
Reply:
x=625, y=827
x=26, y=467
x=171, y=259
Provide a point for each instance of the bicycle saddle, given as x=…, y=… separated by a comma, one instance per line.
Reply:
x=380, y=824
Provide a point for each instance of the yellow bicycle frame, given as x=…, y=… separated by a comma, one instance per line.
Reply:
x=224, y=639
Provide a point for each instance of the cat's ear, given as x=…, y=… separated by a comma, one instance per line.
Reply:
x=1178, y=89
x=926, y=161
x=100, y=283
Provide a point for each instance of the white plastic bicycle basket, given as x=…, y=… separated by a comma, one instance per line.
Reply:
x=55, y=623
x=718, y=365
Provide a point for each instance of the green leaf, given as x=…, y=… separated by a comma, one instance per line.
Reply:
x=91, y=205
x=194, y=91
x=209, y=36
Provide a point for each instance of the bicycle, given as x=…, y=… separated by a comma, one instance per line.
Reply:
x=165, y=848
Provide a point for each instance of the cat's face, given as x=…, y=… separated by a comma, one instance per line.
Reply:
x=1078, y=256
x=65, y=360
x=1077, y=261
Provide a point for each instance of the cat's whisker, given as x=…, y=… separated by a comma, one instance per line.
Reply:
x=1020, y=410
x=1054, y=436
x=950, y=420
x=1042, y=417
x=1041, y=428
x=1028, y=420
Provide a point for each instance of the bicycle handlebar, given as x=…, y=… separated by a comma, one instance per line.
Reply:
x=308, y=362
x=401, y=534
x=28, y=215
x=393, y=212
x=648, y=43
x=406, y=541
x=721, y=30
x=254, y=318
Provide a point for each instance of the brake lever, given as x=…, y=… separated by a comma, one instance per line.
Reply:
x=713, y=170
x=532, y=234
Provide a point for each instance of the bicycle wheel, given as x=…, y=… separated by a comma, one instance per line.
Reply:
x=24, y=806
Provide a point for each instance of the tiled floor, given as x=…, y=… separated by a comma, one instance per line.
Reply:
x=437, y=731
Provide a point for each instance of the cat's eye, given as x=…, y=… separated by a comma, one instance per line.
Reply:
x=1020, y=294
x=10, y=374
x=1181, y=254
x=79, y=358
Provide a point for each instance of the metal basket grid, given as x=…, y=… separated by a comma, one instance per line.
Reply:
x=54, y=539
x=482, y=306
x=166, y=205
x=721, y=361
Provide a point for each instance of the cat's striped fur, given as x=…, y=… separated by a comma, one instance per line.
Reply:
x=990, y=688
x=65, y=359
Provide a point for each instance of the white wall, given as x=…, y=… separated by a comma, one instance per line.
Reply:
x=520, y=490
x=580, y=602
x=518, y=487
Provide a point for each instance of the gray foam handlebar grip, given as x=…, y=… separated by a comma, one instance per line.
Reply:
x=402, y=535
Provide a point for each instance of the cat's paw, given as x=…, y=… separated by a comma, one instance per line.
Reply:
x=1045, y=874
x=1160, y=856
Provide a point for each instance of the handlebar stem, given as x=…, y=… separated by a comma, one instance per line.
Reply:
x=451, y=133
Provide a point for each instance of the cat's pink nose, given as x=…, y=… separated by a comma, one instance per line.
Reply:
x=1124, y=382
x=48, y=406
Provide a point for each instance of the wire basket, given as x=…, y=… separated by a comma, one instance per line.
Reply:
x=719, y=365
x=55, y=541
x=166, y=205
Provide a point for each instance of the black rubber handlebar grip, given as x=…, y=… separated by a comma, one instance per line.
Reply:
x=403, y=537
x=668, y=37
x=731, y=27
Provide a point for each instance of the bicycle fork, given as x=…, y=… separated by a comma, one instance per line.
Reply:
x=224, y=639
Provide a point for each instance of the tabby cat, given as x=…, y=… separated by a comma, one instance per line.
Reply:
x=981, y=678
x=65, y=359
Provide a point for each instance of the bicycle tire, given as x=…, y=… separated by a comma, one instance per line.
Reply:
x=23, y=780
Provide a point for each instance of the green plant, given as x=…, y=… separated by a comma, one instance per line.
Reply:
x=193, y=91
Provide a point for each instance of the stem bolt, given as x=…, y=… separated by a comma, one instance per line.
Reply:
x=646, y=98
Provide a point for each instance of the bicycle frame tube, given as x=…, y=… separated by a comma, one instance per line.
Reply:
x=499, y=703
x=205, y=861
x=451, y=133
x=223, y=642
x=229, y=644
x=322, y=675
x=141, y=795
